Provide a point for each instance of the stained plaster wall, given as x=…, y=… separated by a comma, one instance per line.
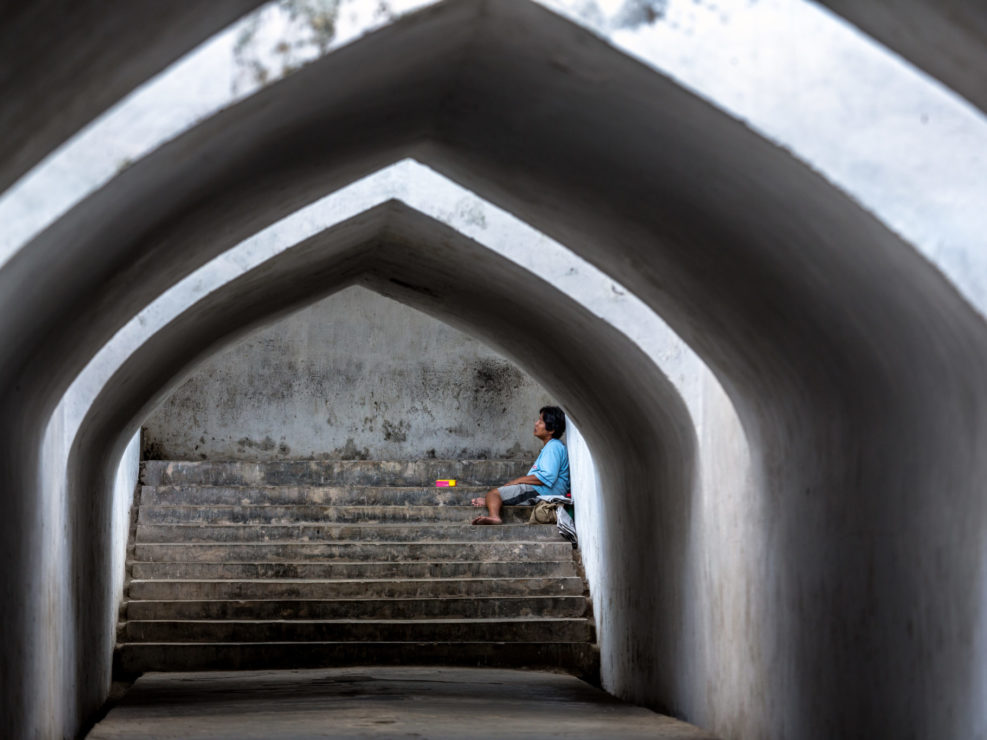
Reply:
x=354, y=376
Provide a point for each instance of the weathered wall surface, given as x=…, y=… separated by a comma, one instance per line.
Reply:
x=355, y=375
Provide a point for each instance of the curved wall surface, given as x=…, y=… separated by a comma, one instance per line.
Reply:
x=636, y=423
x=856, y=368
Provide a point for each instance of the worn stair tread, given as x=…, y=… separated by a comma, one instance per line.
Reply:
x=311, y=582
x=340, y=580
x=385, y=532
x=359, y=527
x=348, y=643
x=150, y=590
x=344, y=554
x=237, y=553
x=580, y=658
x=400, y=607
x=352, y=544
x=198, y=543
x=349, y=544
x=230, y=590
x=421, y=472
x=308, y=495
x=151, y=570
x=396, y=599
x=351, y=552
x=430, y=620
x=312, y=514
x=540, y=629
x=163, y=487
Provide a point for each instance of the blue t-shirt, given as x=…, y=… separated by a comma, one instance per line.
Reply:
x=552, y=468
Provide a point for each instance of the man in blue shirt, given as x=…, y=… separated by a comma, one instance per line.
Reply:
x=549, y=476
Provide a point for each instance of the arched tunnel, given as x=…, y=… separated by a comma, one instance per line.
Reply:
x=854, y=365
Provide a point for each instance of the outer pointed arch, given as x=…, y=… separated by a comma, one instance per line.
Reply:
x=629, y=412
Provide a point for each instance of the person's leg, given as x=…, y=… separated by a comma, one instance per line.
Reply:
x=482, y=500
x=493, y=502
x=513, y=495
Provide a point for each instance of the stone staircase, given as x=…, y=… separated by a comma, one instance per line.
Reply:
x=236, y=565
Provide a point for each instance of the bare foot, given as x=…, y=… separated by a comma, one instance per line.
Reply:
x=486, y=520
x=479, y=501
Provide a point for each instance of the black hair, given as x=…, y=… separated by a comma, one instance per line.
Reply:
x=554, y=419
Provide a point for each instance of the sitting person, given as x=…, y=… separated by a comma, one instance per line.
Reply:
x=549, y=476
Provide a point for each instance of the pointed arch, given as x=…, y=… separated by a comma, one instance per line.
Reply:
x=629, y=412
x=852, y=361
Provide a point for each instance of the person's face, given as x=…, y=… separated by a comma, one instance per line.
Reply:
x=540, y=431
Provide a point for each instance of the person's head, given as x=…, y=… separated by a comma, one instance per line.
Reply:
x=554, y=420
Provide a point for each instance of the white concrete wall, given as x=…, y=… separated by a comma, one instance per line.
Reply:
x=355, y=375
x=56, y=581
x=123, y=499
x=726, y=602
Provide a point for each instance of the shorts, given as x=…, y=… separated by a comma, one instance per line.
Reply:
x=518, y=495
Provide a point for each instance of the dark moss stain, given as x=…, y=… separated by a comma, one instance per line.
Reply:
x=496, y=379
x=154, y=450
x=516, y=451
x=396, y=432
x=266, y=445
x=349, y=451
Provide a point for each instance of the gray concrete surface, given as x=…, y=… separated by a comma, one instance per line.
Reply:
x=379, y=702
x=65, y=63
x=506, y=608
x=355, y=375
x=857, y=369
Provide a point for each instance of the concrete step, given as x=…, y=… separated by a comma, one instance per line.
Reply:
x=255, y=552
x=579, y=658
x=472, y=607
x=352, y=495
x=329, y=563
x=139, y=590
x=332, y=472
x=312, y=514
x=528, y=629
x=366, y=533
x=393, y=569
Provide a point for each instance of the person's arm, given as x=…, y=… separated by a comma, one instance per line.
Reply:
x=529, y=480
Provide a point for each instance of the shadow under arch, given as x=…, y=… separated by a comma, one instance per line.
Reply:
x=856, y=368
x=631, y=415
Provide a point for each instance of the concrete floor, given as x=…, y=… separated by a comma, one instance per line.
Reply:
x=378, y=702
